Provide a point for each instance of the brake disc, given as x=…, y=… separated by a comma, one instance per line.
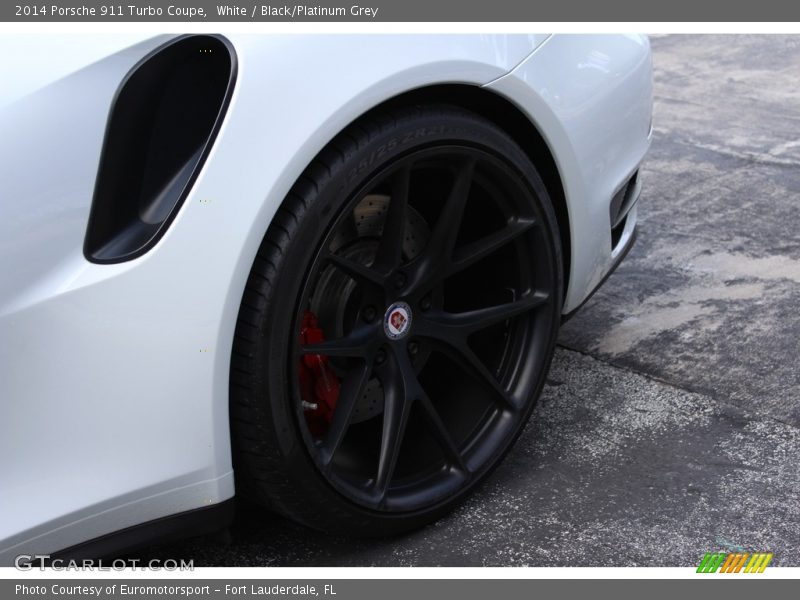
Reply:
x=334, y=297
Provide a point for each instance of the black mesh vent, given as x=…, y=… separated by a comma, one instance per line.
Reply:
x=161, y=127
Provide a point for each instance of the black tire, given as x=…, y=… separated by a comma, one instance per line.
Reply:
x=279, y=462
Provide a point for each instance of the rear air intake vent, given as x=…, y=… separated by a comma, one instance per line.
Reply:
x=160, y=130
x=621, y=205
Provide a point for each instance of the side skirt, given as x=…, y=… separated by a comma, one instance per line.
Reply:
x=197, y=522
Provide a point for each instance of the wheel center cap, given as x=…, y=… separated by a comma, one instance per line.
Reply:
x=397, y=321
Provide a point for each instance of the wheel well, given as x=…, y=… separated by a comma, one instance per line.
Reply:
x=508, y=116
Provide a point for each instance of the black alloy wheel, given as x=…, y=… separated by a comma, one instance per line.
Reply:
x=397, y=325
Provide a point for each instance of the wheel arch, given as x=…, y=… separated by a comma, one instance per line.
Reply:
x=511, y=119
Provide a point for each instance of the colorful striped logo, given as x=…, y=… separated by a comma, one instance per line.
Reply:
x=730, y=562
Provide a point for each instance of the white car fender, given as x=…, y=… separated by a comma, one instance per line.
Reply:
x=118, y=374
x=577, y=90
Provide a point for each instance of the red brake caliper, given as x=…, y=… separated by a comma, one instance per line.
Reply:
x=319, y=386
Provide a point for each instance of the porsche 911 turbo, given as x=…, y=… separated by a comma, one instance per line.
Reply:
x=322, y=272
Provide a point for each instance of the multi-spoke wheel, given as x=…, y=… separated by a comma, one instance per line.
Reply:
x=398, y=323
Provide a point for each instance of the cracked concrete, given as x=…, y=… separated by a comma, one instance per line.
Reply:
x=669, y=425
x=708, y=298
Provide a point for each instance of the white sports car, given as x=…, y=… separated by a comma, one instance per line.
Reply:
x=322, y=272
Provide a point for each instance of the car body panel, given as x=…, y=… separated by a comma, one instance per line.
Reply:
x=114, y=378
x=578, y=91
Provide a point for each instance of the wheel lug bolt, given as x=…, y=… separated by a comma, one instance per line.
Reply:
x=369, y=313
x=399, y=280
x=413, y=348
x=425, y=304
x=380, y=358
